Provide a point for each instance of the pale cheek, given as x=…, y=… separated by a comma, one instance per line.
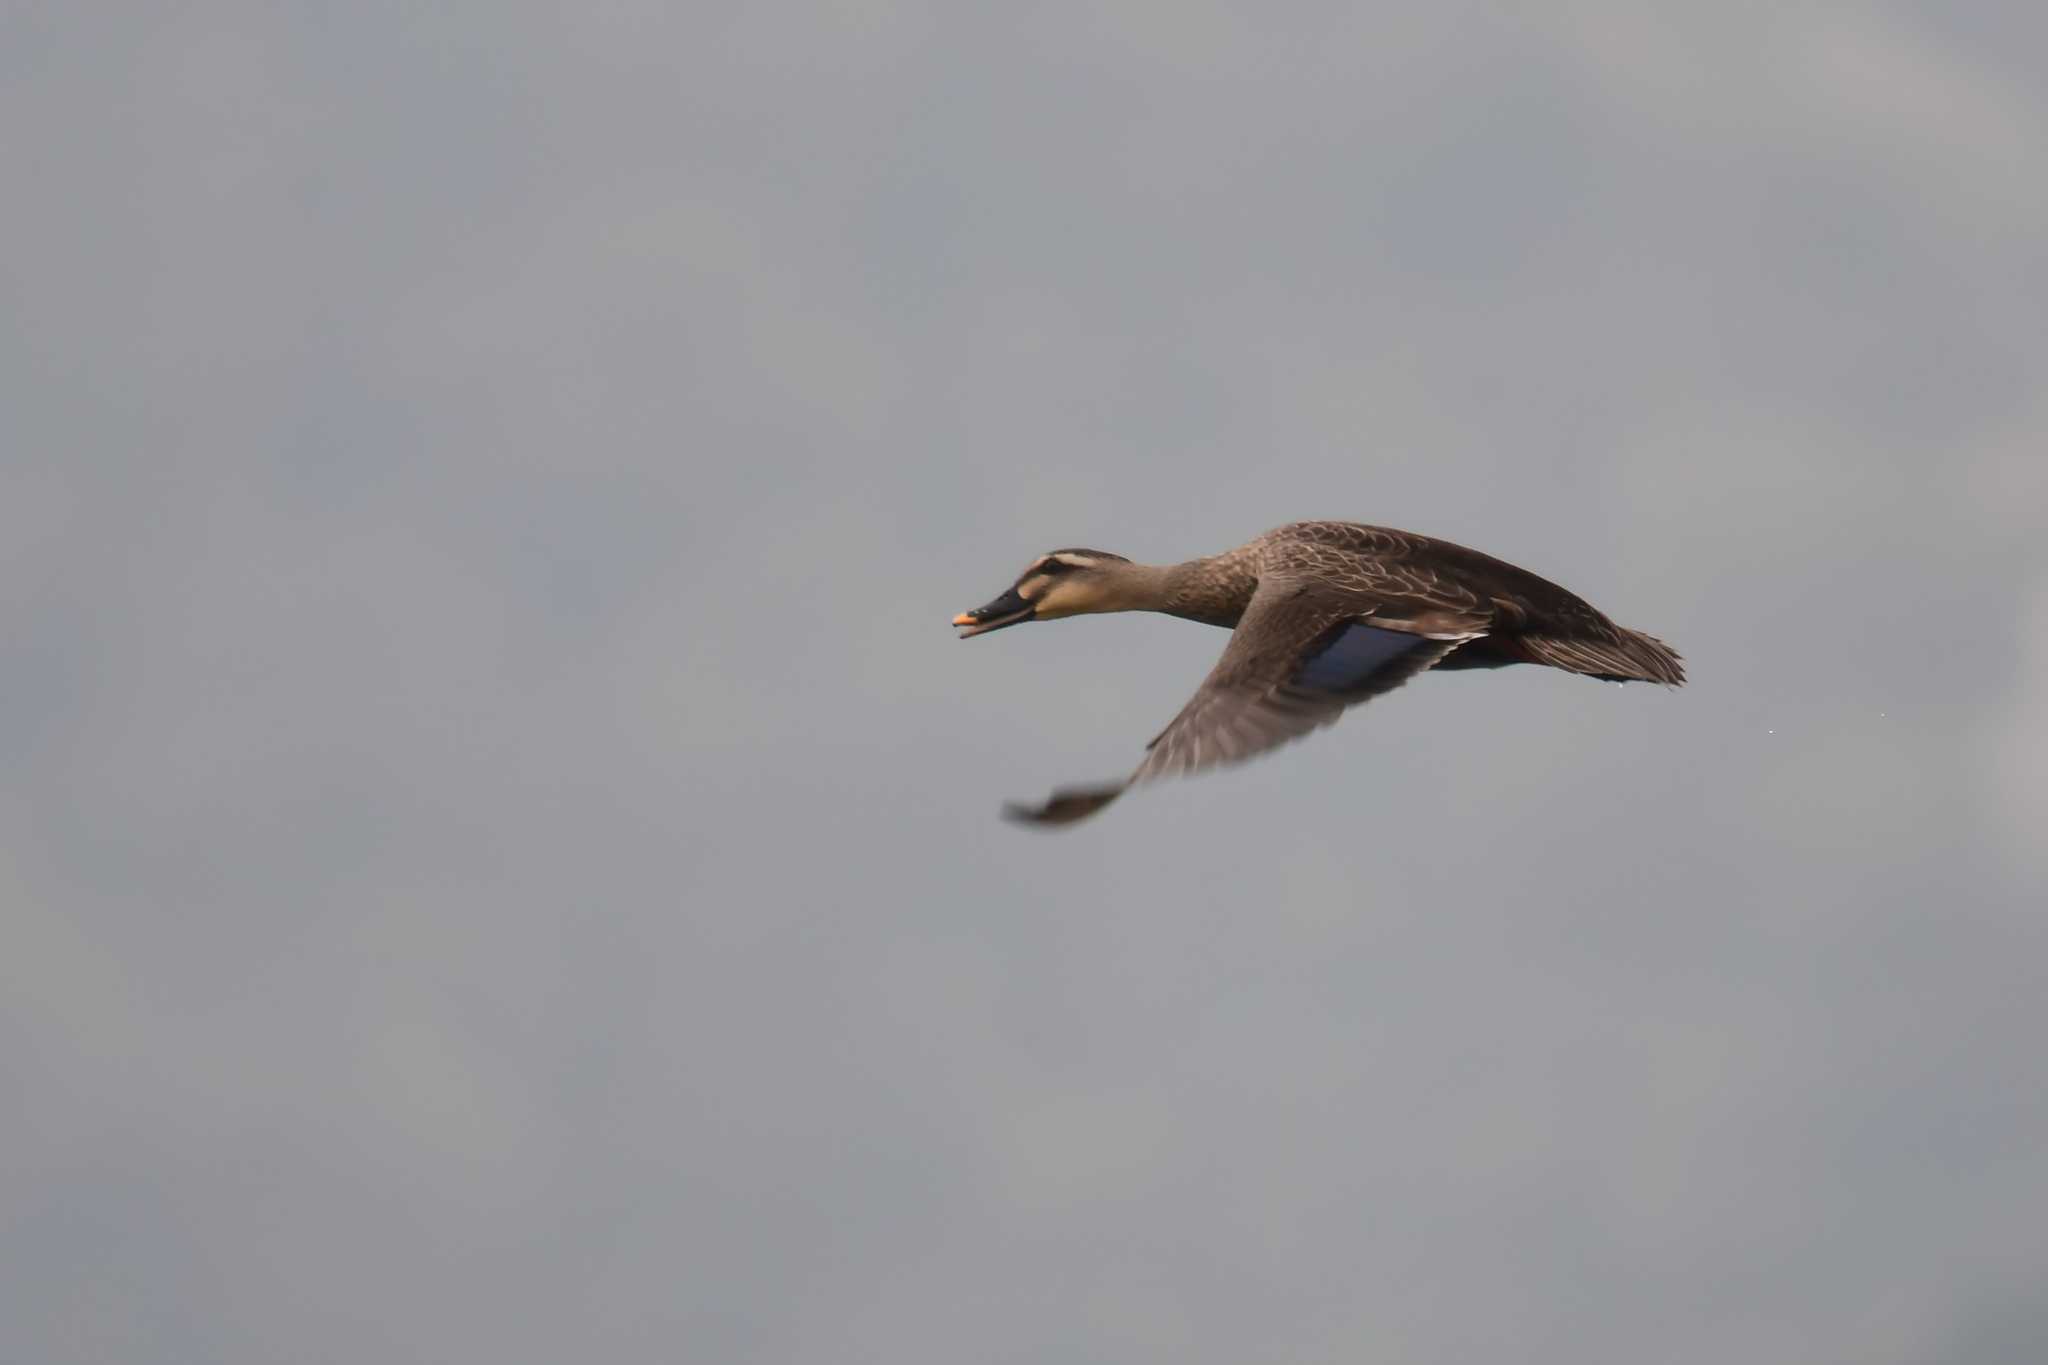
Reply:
x=1064, y=600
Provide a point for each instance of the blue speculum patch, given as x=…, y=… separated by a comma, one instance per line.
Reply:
x=1353, y=655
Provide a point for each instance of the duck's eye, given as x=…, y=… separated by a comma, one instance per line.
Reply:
x=1054, y=566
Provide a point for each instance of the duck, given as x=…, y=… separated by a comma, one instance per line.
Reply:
x=1323, y=615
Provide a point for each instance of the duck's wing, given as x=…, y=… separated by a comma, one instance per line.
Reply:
x=1302, y=653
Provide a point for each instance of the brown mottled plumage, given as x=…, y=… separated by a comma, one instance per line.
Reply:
x=1325, y=614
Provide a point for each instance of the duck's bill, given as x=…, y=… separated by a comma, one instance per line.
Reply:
x=1007, y=610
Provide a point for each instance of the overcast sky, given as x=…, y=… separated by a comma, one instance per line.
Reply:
x=498, y=844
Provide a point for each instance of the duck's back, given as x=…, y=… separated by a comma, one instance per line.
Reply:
x=1532, y=620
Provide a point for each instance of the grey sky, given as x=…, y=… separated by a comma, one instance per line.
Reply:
x=498, y=852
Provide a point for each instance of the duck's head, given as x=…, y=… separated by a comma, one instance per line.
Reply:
x=1058, y=583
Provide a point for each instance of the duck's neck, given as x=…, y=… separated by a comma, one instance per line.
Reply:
x=1205, y=590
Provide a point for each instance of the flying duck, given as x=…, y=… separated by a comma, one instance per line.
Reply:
x=1323, y=615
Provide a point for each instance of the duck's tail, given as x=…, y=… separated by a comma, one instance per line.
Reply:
x=1624, y=656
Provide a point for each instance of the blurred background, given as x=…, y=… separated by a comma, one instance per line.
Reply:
x=498, y=843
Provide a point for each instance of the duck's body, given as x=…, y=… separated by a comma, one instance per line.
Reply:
x=1325, y=614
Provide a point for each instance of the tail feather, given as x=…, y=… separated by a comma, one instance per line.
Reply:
x=1628, y=656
